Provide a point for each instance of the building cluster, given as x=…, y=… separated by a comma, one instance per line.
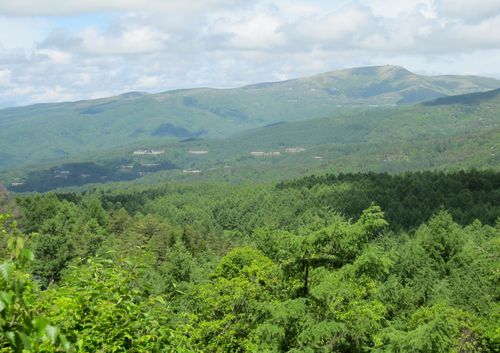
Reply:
x=265, y=154
x=191, y=171
x=61, y=174
x=277, y=153
x=142, y=152
x=294, y=149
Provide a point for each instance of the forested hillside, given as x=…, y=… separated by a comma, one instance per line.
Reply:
x=333, y=263
x=45, y=132
x=447, y=134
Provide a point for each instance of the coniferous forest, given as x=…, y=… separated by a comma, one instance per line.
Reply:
x=333, y=263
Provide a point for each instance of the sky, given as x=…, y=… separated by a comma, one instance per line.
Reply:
x=60, y=50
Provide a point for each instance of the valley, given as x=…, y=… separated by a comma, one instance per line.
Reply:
x=447, y=133
x=45, y=133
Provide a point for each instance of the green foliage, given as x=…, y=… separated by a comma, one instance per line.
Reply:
x=314, y=265
x=408, y=199
x=100, y=305
x=432, y=329
x=230, y=306
x=21, y=328
x=7, y=203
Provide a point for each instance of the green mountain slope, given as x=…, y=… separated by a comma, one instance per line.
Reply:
x=447, y=133
x=45, y=132
x=444, y=119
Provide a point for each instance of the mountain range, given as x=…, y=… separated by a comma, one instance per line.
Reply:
x=353, y=100
x=447, y=133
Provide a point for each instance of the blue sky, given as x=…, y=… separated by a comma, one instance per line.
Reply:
x=57, y=50
x=79, y=22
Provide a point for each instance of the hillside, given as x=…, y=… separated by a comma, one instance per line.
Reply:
x=48, y=132
x=447, y=134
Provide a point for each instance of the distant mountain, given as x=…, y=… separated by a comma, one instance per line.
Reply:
x=447, y=133
x=45, y=132
x=450, y=132
x=380, y=85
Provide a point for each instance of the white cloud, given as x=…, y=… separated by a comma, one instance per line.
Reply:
x=56, y=56
x=82, y=79
x=419, y=31
x=52, y=94
x=398, y=8
x=148, y=82
x=344, y=25
x=71, y=7
x=134, y=40
x=169, y=44
x=4, y=77
x=468, y=10
x=260, y=31
x=20, y=91
x=480, y=36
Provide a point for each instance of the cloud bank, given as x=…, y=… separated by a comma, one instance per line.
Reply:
x=54, y=50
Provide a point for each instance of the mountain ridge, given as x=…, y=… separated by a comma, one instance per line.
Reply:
x=49, y=131
x=138, y=94
x=447, y=136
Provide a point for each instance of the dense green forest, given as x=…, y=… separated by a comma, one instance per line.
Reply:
x=333, y=263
